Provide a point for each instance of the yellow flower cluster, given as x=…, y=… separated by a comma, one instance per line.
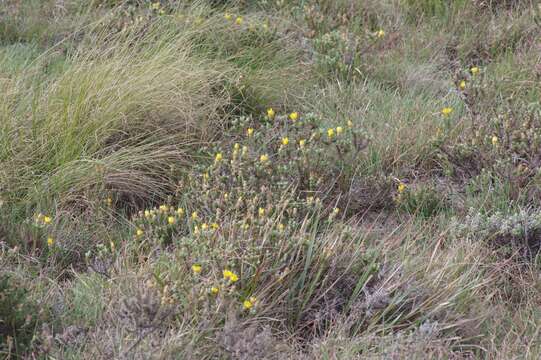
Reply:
x=230, y=276
x=218, y=157
x=229, y=17
x=196, y=268
x=400, y=189
x=446, y=111
x=156, y=6
x=43, y=219
x=332, y=132
x=249, y=303
x=238, y=20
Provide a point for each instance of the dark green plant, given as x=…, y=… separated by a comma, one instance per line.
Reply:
x=423, y=201
x=19, y=317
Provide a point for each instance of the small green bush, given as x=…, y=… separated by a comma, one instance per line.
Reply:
x=19, y=317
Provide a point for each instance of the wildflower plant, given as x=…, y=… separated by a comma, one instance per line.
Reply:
x=335, y=53
x=239, y=218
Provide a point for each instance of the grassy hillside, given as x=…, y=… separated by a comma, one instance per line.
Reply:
x=263, y=179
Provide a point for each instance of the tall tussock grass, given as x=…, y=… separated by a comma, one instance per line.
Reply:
x=122, y=114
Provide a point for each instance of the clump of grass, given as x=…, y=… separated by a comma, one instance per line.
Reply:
x=129, y=133
x=424, y=201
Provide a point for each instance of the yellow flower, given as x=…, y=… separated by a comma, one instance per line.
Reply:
x=214, y=226
x=196, y=230
x=194, y=215
x=270, y=113
x=474, y=70
x=495, y=140
x=229, y=275
x=139, y=232
x=164, y=208
x=50, y=241
x=155, y=6
x=205, y=176
x=339, y=130
x=264, y=158
x=261, y=212
x=236, y=147
x=336, y=211
x=218, y=157
x=247, y=304
x=462, y=84
x=302, y=142
x=171, y=220
x=380, y=33
x=147, y=214
x=204, y=226
x=294, y=116
x=350, y=124
x=446, y=111
x=228, y=16
x=214, y=290
x=281, y=227
x=330, y=133
x=238, y=20
x=401, y=187
x=196, y=268
x=285, y=141
x=109, y=201
x=250, y=132
x=180, y=211
x=244, y=150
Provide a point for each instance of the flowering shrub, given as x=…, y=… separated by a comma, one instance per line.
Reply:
x=257, y=216
x=335, y=53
